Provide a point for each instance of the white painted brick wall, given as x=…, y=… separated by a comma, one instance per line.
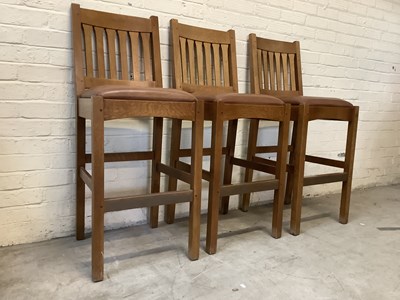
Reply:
x=350, y=49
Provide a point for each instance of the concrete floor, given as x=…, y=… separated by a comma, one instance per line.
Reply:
x=328, y=260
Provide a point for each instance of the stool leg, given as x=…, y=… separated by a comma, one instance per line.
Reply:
x=196, y=170
x=215, y=182
x=244, y=201
x=176, y=130
x=300, y=154
x=97, y=190
x=348, y=168
x=231, y=142
x=80, y=185
x=280, y=174
x=290, y=171
x=155, y=174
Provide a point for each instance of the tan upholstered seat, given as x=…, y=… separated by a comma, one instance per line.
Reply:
x=319, y=101
x=129, y=93
x=238, y=98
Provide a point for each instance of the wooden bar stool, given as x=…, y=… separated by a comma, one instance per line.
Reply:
x=276, y=70
x=205, y=65
x=118, y=75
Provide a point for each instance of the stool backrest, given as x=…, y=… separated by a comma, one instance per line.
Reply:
x=204, y=59
x=275, y=67
x=115, y=49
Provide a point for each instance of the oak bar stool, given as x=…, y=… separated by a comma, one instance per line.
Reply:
x=205, y=65
x=109, y=50
x=275, y=68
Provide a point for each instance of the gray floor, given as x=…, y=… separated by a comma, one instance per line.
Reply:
x=328, y=260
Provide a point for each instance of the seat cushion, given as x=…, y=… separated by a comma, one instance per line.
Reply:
x=131, y=93
x=235, y=98
x=296, y=100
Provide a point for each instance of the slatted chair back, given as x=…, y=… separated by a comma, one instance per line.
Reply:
x=115, y=51
x=275, y=67
x=204, y=59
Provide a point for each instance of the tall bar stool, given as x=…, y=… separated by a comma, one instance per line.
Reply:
x=205, y=65
x=118, y=75
x=275, y=68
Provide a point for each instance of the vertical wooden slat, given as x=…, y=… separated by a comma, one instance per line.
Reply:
x=100, y=52
x=111, y=35
x=262, y=82
x=292, y=72
x=146, y=55
x=192, y=68
x=200, y=65
x=184, y=60
x=225, y=62
x=272, y=72
x=278, y=71
x=87, y=31
x=177, y=69
x=299, y=80
x=232, y=60
x=217, y=64
x=123, y=55
x=207, y=52
x=135, y=55
x=255, y=62
x=285, y=72
x=265, y=64
x=156, y=52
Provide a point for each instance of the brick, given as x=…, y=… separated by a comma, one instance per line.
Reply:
x=11, y=34
x=328, y=13
x=303, y=31
x=36, y=110
x=47, y=38
x=341, y=5
x=318, y=22
x=17, y=163
x=11, y=181
x=293, y=17
x=358, y=9
x=8, y=71
x=375, y=13
x=37, y=73
x=47, y=178
x=305, y=7
x=325, y=35
x=36, y=128
x=16, y=15
x=384, y=5
x=347, y=18
x=52, y=5
x=22, y=198
x=267, y=12
x=35, y=145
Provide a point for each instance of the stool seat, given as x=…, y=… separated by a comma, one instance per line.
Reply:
x=131, y=93
x=324, y=101
x=235, y=98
